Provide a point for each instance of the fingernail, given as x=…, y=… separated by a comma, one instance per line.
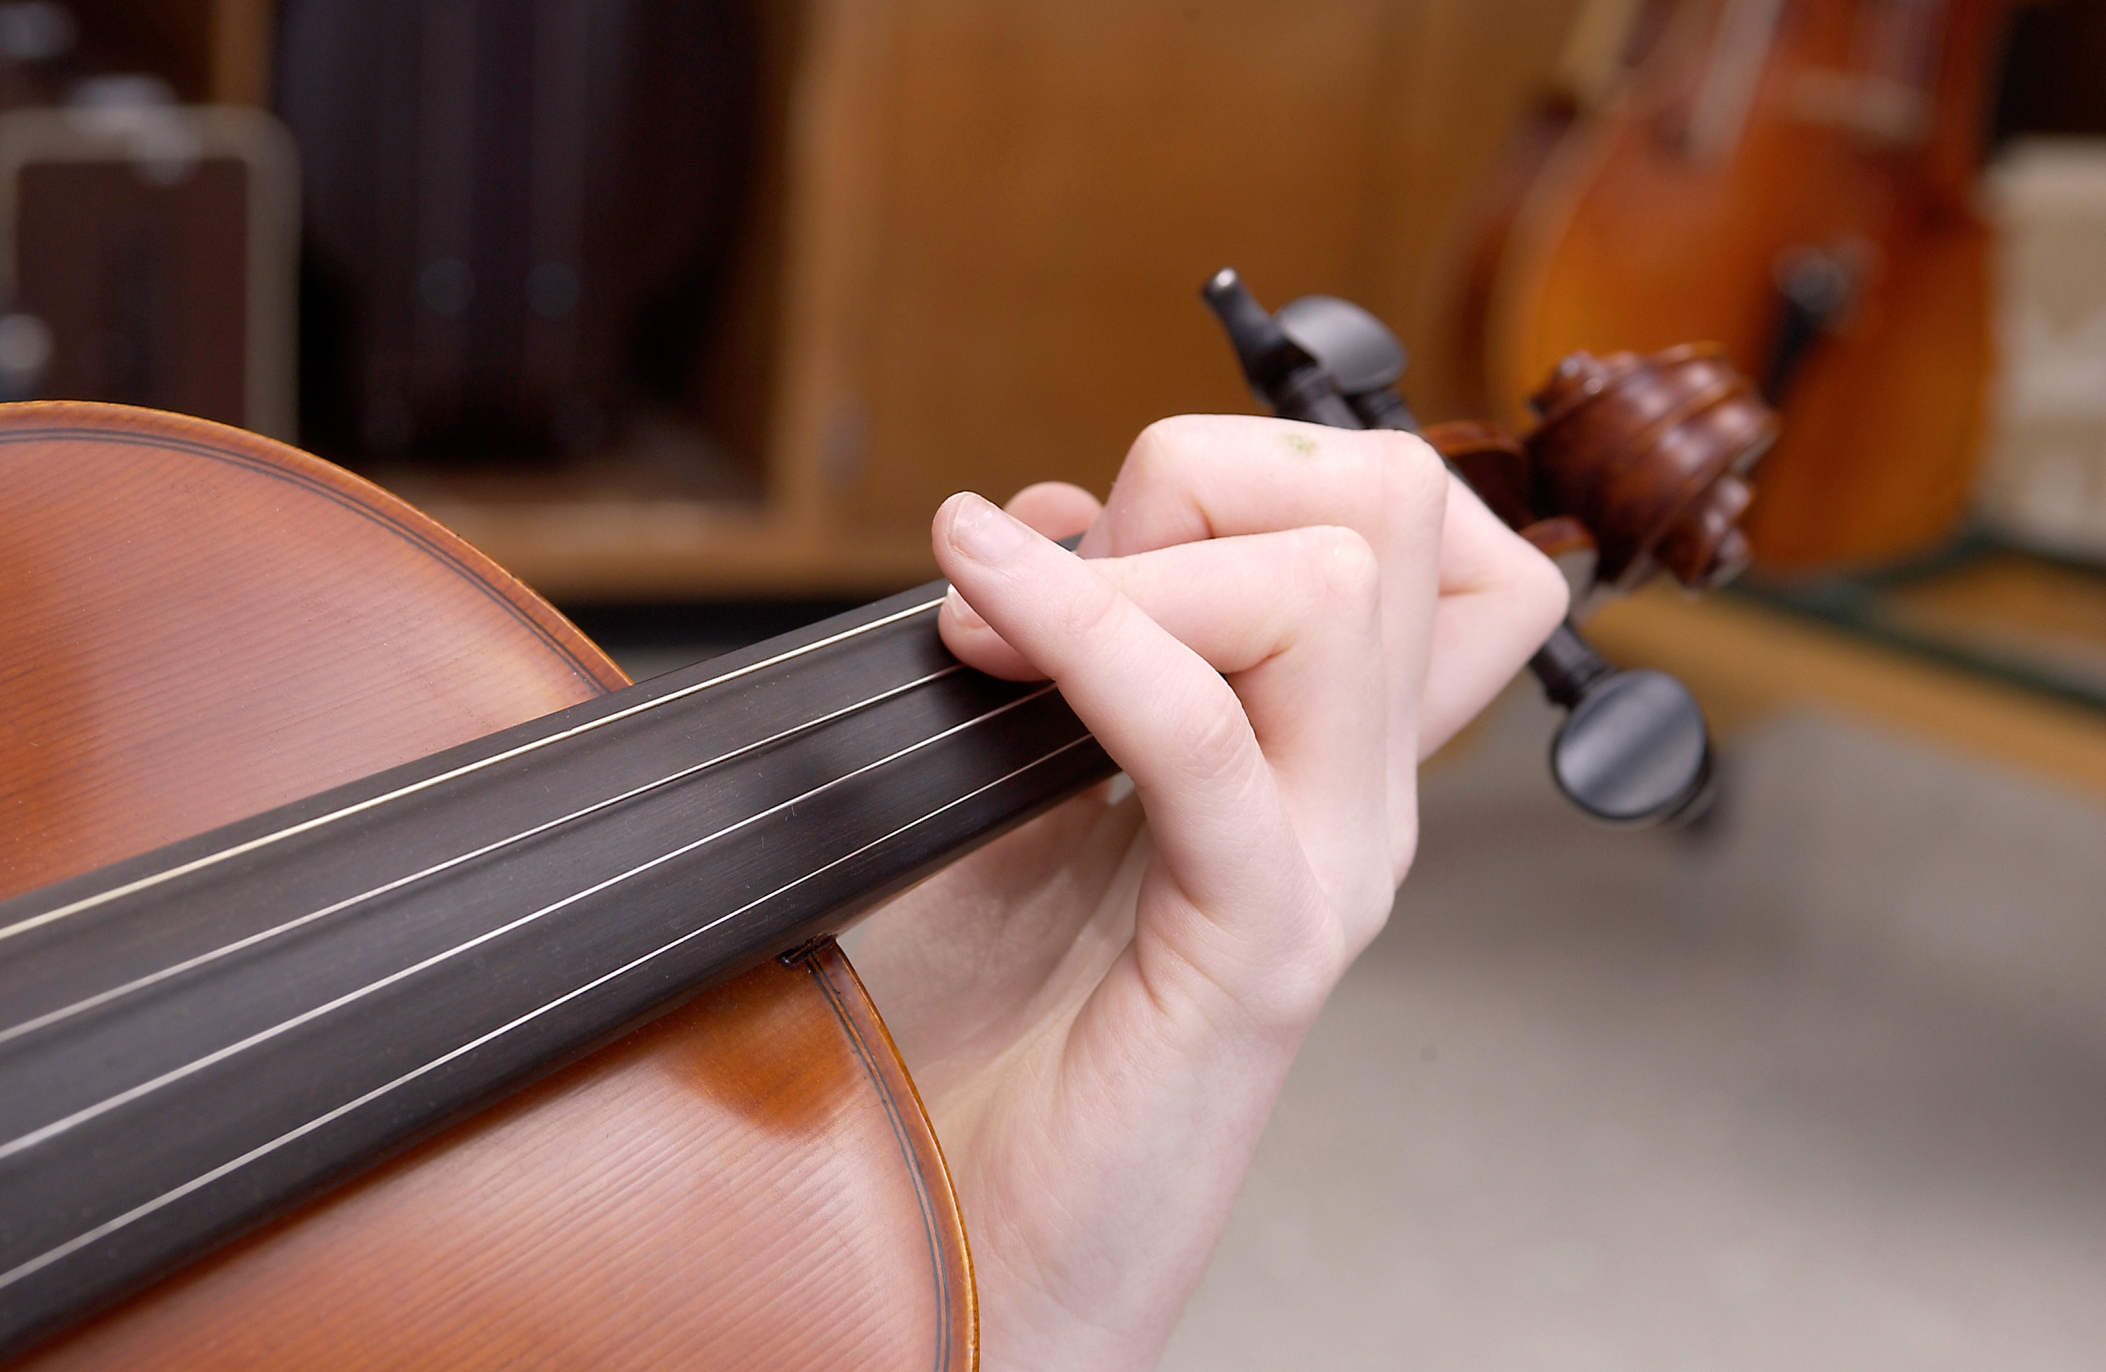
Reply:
x=982, y=532
x=965, y=616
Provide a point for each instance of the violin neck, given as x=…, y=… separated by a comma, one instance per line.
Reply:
x=197, y=1038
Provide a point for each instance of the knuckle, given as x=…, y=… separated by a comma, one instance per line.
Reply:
x=1344, y=566
x=1413, y=470
x=1159, y=448
x=1334, y=573
x=1156, y=462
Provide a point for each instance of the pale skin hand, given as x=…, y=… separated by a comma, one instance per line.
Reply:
x=1268, y=627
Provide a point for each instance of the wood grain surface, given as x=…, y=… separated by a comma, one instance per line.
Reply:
x=198, y=624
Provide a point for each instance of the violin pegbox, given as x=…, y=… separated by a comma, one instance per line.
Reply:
x=1651, y=455
x=1636, y=465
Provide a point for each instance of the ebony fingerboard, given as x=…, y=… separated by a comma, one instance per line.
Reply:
x=195, y=1039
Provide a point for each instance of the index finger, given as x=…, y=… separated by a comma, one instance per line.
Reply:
x=1169, y=718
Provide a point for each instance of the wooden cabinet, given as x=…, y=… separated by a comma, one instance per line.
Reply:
x=974, y=254
x=1061, y=179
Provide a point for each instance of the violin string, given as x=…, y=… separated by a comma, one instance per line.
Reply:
x=403, y=792
x=160, y=975
x=60, y=1126
x=169, y=1197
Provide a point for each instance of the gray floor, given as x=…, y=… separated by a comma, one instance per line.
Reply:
x=1823, y=1089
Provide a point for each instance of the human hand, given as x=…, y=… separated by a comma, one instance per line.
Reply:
x=1268, y=627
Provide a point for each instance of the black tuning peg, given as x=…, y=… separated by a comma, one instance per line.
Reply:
x=1634, y=748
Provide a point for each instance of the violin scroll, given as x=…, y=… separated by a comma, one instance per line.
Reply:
x=1651, y=455
x=1637, y=465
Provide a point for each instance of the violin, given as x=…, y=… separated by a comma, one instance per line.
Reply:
x=1795, y=180
x=384, y=979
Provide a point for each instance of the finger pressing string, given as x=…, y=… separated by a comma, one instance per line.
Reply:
x=1167, y=717
x=1291, y=619
x=1210, y=476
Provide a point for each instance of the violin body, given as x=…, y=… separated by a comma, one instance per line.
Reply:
x=1760, y=138
x=201, y=624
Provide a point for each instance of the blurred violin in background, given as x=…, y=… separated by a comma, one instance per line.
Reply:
x=1793, y=179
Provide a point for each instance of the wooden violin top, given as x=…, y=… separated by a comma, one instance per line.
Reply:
x=200, y=624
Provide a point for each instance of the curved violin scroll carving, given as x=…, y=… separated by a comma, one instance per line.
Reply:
x=1651, y=455
x=1637, y=465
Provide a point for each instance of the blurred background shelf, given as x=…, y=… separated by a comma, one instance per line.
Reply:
x=968, y=245
x=960, y=247
x=1749, y=661
x=2012, y=614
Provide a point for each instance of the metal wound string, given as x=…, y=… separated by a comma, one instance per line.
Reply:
x=79, y=1117
x=154, y=978
x=374, y=802
x=169, y=1197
